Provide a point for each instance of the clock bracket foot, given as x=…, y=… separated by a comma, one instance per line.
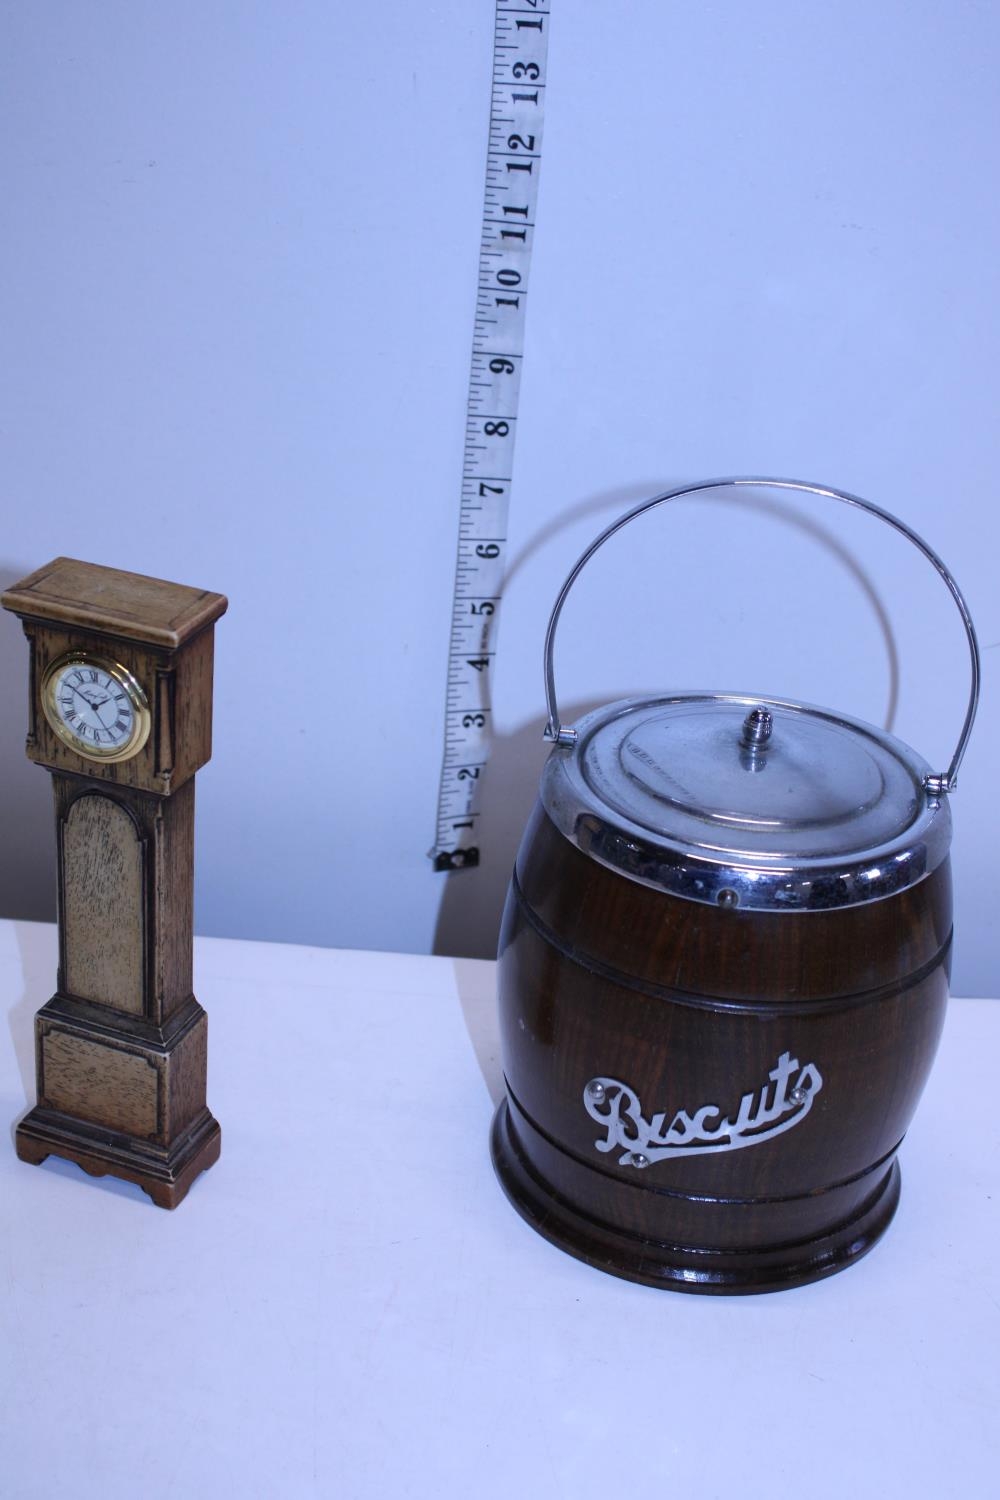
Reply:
x=165, y=1174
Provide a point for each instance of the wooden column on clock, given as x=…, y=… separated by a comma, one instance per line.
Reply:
x=121, y=1046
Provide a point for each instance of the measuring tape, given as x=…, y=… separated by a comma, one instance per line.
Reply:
x=513, y=162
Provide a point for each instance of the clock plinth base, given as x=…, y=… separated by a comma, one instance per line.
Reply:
x=165, y=1174
x=122, y=1097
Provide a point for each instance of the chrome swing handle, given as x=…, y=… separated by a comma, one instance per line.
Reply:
x=560, y=734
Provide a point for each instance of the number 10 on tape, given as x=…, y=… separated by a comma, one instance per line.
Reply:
x=520, y=44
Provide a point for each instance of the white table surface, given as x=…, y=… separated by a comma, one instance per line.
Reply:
x=347, y=1306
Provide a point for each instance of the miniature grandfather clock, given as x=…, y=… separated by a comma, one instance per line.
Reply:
x=121, y=714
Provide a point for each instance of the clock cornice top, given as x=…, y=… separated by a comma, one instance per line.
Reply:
x=87, y=596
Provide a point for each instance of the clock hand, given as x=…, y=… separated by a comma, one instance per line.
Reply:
x=89, y=702
x=97, y=715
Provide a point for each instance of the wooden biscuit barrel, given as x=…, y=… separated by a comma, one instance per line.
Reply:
x=723, y=974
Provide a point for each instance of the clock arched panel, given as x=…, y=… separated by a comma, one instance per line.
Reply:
x=102, y=870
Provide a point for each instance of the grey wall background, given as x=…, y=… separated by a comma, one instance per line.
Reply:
x=239, y=269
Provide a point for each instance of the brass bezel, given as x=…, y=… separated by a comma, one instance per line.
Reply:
x=142, y=718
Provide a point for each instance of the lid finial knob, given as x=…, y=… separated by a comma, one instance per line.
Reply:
x=757, y=727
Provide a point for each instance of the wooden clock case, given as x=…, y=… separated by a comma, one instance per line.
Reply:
x=121, y=1046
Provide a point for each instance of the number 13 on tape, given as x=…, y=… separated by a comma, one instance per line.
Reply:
x=520, y=44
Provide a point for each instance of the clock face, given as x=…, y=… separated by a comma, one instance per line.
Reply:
x=95, y=706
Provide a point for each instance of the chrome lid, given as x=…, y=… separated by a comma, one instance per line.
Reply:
x=738, y=801
x=750, y=802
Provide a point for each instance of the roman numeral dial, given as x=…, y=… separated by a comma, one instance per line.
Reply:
x=96, y=706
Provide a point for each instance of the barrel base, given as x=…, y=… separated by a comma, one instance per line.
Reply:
x=683, y=1268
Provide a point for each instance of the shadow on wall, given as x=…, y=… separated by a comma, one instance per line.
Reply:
x=468, y=921
x=28, y=857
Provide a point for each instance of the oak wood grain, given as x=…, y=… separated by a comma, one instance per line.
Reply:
x=102, y=880
x=691, y=1005
x=106, y=1085
x=111, y=601
x=152, y=935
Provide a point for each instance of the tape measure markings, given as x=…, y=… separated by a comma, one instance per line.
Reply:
x=520, y=41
